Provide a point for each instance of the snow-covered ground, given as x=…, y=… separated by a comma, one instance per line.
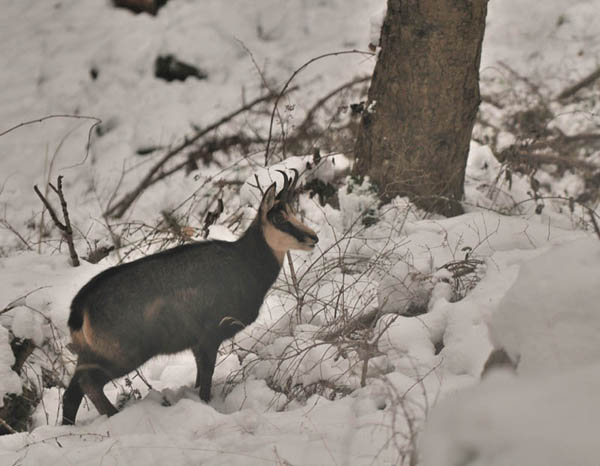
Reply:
x=294, y=388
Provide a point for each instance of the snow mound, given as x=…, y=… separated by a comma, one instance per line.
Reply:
x=547, y=415
x=481, y=163
x=407, y=285
x=549, y=319
x=552, y=420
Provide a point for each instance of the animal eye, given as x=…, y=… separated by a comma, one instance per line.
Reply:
x=278, y=217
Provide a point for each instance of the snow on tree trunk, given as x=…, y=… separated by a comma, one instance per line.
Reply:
x=415, y=130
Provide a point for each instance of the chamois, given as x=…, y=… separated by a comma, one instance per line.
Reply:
x=193, y=296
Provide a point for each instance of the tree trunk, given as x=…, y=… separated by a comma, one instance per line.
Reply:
x=415, y=131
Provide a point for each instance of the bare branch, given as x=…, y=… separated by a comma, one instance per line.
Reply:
x=567, y=162
x=323, y=100
x=119, y=208
x=208, y=147
x=20, y=301
x=264, y=81
x=571, y=90
x=594, y=221
x=13, y=230
x=5, y=424
x=96, y=120
x=289, y=81
x=50, y=209
x=65, y=228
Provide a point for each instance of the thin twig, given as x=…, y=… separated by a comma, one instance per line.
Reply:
x=360, y=322
x=533, y=86
x=16, y=233
x=65, y=228
x=264, y=81
x=210, y=146
x=323, y=100
x=299, y=298
x=488, y=99
x=555, y=159
x=289, y=81
x=50, y=209
x=96, y=120
x=48, y=117
x=571, y=90
x=593, y=215
x=20, y=301
x=119, y=208
x=594, y=221
x=5, y=424
x=581, y=137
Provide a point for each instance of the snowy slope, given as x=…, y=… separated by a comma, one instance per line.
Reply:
x=52, y=47
x=548, y=321
x=530, y=285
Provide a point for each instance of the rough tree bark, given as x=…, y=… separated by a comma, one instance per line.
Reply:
x=414, y=134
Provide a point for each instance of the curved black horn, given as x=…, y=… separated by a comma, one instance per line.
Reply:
x=286, y=184
x=286, y=180
x=295, y=179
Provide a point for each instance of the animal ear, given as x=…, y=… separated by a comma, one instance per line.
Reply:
x=268, y=199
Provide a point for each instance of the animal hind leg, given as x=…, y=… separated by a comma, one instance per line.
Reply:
x=71, y=400
x=205, y=365
x=92, y=382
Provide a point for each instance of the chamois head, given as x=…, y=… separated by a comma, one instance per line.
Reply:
x=281, y=229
